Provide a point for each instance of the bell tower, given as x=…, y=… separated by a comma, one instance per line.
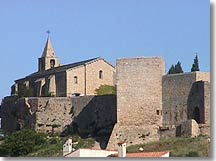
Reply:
x=48, y=59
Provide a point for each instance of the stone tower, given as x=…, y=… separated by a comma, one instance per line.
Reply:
x=139, y=101
x=48, y=59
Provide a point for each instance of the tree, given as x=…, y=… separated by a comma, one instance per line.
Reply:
x=175, y=69
x=171, y=70
x=195, y=65
x=22, y=142
x=178, y=68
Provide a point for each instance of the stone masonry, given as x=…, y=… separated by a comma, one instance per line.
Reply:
x=88, y=77
x=53, y=114
x=186, y=96
x=139, y=100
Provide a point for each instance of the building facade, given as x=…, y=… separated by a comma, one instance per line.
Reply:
x=79, y=78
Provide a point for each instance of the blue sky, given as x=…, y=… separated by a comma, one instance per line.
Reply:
x=83, y=29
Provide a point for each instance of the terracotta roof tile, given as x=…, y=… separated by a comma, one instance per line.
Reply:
x=146, y=154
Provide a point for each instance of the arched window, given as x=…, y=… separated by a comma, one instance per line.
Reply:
x=100, y=74
x=75, y=80
x=52, y=63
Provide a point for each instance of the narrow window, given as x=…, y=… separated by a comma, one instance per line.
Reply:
x=100, y=74
x=75, y=80
x=158, y=112
x=52, y=63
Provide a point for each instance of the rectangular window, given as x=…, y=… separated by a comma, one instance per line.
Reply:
x=100, y=74
x=75, y=80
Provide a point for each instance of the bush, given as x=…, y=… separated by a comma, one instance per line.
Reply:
x=22, y=142
x=192, y=154
x=25, y=91
x=105, y=89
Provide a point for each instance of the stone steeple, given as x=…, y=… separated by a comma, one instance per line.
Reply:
x=48, y=49
x=48, y=59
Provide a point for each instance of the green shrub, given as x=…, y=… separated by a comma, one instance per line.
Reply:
x=25, y=91
x=192, y=154
x=105, y=90
x=21, y=143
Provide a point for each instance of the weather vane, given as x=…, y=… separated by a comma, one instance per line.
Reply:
x=48, y=32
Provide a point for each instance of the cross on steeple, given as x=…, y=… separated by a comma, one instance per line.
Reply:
x=48, y=32
x=48, y=59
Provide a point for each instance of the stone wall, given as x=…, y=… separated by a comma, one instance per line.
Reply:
x=93, y=115
x=186, y=96
x=207, y=102
x=139, y=100
x=167, y=133
x=88, y=77
x=189, y=128
x=176, y=88
x=202, y=76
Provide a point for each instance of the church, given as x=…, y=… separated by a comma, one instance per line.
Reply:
x=76, y=79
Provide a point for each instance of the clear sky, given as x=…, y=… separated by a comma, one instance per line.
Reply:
x=83, y=29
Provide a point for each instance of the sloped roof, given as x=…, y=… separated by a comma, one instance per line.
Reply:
x=145, y=154
x=60, y=68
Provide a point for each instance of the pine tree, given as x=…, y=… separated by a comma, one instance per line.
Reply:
x=171, y=70
x=195, y=65
x=175, y=69
x=178, y=68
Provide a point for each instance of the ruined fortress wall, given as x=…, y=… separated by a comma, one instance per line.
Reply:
x=95, y=110
x=202, y=76
x=207, y=102
x=53, y=114
x=205, y=128
x=182, y=94
x=139, y=100
x=176, y=89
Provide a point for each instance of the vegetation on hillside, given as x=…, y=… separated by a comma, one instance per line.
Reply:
x=105, y=90
x=21, y=143
x=178, y=147
x=27, y=142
